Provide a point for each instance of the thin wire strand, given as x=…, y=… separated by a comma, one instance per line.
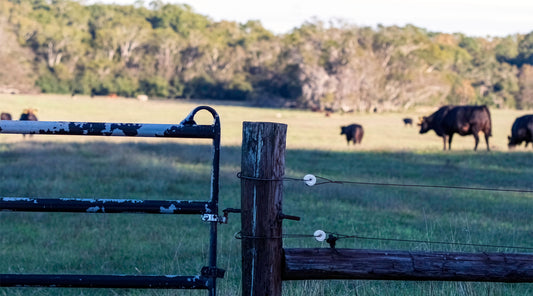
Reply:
x=329, y=181
x=337, y=236
x=239, y=235
x=240, y=176
x=342, y=236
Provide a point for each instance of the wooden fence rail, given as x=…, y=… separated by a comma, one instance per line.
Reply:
x=327, y=263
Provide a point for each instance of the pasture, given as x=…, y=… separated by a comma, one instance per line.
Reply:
x=97, y=167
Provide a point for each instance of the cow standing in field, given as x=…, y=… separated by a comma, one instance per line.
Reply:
x=5, y=116
x=464, y=120
x=522, y=130
x=353, y=132
x=407, y=121
x=28, y=114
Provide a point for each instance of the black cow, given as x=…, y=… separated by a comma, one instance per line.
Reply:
x=28, y=114
x=464, y=120
x=5, y=116
x=407, y=121
x=522, y=130
x=353, y=132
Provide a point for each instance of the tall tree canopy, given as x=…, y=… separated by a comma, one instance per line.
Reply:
x=170, y=51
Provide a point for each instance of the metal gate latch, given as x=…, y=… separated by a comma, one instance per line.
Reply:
x=214, y=218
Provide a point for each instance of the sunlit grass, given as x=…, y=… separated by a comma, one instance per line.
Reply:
x=97, y=167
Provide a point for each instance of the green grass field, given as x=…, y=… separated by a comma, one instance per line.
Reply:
x=97, y=167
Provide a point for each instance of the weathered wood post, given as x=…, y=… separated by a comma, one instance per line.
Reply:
x=262, y=170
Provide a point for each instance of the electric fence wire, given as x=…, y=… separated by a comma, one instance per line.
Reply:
x=333, y=236
x=329, y=181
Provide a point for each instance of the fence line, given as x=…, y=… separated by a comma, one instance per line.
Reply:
x=329, y=181
x=334, y=236
x=261, y=207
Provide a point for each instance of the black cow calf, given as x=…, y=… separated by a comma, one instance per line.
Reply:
x=353, y=132
x=408, y=121
x=521, y=131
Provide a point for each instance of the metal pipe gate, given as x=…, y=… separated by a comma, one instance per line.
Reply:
x=208, y=209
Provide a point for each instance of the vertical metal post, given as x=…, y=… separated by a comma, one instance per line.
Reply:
x=214, y=204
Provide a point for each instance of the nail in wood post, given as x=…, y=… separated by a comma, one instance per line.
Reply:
x=262, y=168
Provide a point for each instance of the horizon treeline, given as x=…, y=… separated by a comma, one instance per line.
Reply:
x=170, y=51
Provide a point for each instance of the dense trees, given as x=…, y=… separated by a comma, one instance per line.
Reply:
x=170, y=51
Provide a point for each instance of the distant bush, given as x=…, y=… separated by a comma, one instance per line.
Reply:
x=49, y=83
x=154, y=87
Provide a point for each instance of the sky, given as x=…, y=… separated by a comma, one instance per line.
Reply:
x=471, y=17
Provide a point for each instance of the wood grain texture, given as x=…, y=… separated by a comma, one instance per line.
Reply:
x=263, y=157
x=322, y=263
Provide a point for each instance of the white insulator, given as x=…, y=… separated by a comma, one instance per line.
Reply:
x=309, y=180
x=320, y=235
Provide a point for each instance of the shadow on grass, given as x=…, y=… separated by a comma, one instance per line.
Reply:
x=182, y=171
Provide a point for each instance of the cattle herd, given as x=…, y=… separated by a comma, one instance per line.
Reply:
x=446, y=121
x=27, y=114
x=463, y=120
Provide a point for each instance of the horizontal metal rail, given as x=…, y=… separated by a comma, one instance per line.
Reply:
x=25, y=204
x=107, y=129
x=104, y=281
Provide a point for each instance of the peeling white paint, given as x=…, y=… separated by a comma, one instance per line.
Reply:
x=78, y=199
x=254, y=227
x=17, y=199
x=122, y=200
x=91, y=200
x=169, y=210
x=94, y=209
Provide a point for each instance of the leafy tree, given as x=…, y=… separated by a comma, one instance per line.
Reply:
x=526, y=90
x=155, y=87
x=525, y=50
x=169, y=50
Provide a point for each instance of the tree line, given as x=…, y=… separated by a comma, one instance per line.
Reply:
x=170, y=51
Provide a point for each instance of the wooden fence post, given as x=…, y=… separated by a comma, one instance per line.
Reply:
x=262, y=170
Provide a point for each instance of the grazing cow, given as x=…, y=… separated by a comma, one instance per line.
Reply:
x=522, y=130
x=28, y=114
x=353, y=132
x=5, y=116
x=407, y=121
x=464, y=120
